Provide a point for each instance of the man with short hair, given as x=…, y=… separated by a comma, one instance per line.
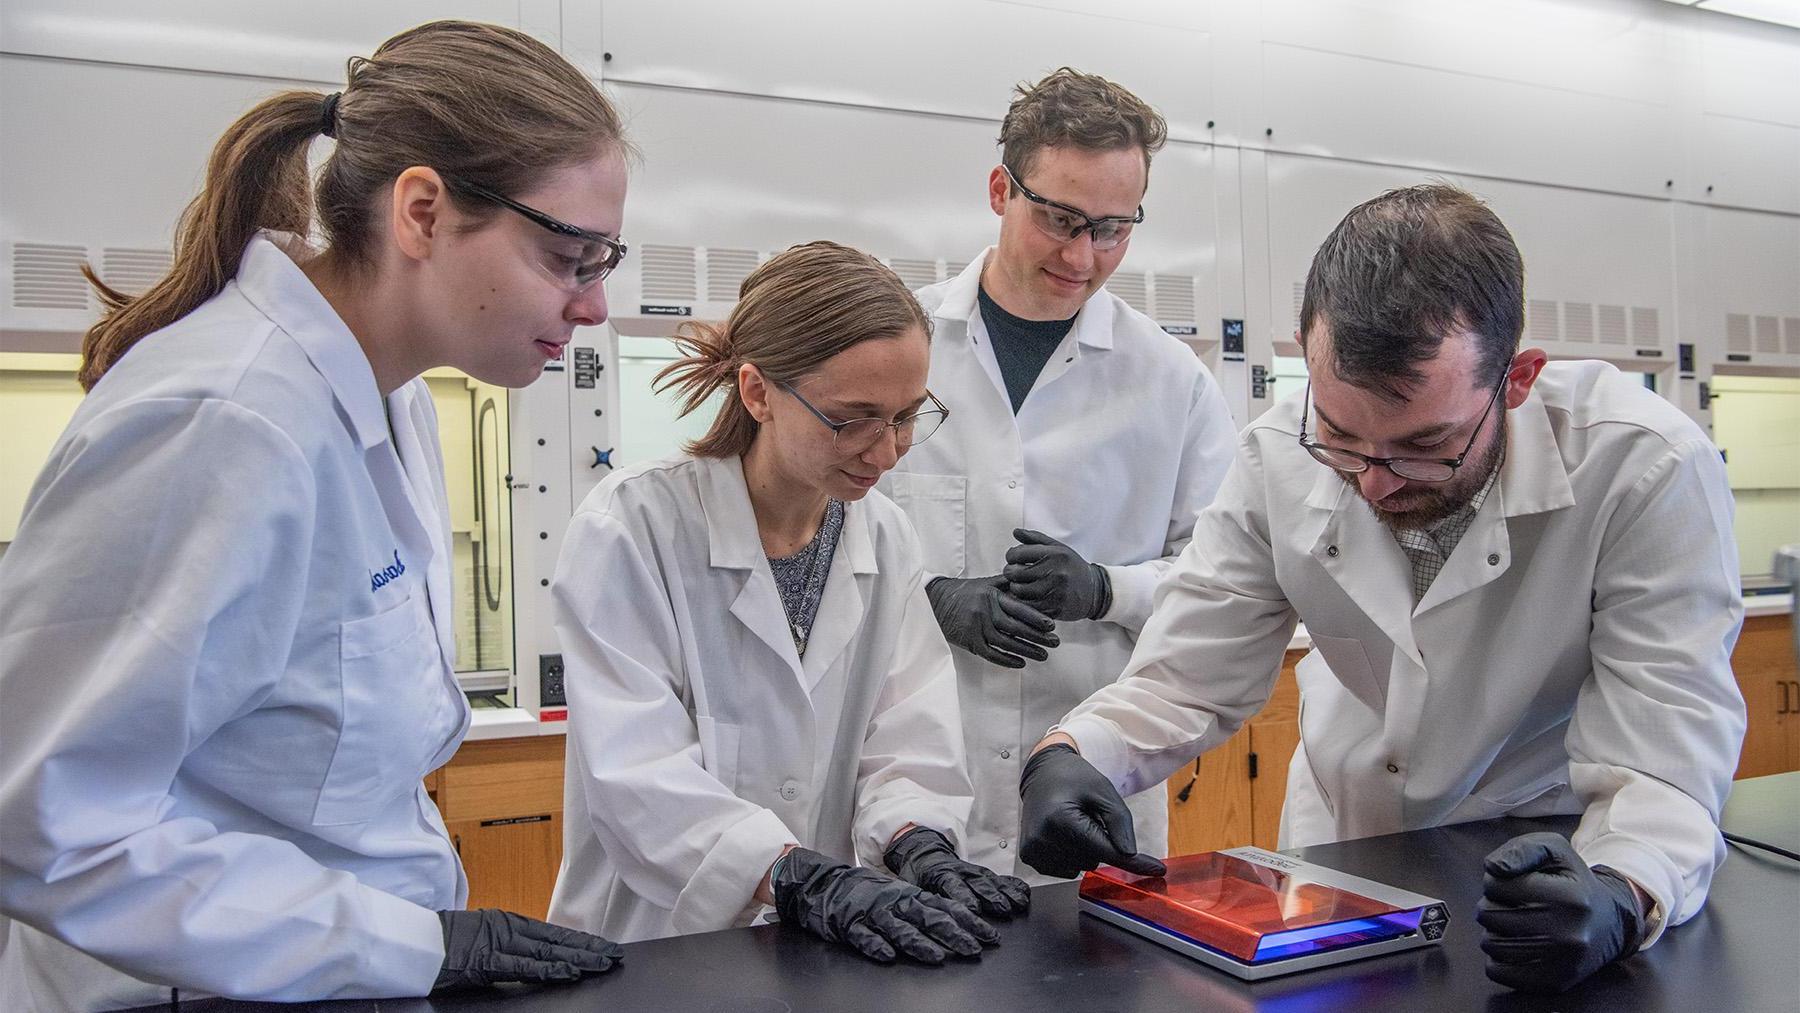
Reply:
x=1082, y=443
x=1522, y=592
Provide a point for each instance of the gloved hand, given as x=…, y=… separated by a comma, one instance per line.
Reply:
x=981, y=616
x=487, y=946
x=874, y=913
x=924, y=858
x=1072, y=818
x=1044, y=572
x=1550, y=920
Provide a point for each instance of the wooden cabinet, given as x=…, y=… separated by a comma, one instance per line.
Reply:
x=1767, y=674
x=1236, y=790
x=502, y=803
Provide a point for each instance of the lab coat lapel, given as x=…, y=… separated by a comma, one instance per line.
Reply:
x=1093, y=330
x=1362, y=556
x=424, y=493
x=841, y=610
x=958, y=322
x=1532, y=480
x=733, y=544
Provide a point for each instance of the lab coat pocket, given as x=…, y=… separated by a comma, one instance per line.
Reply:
x=388, y=671
x=1350, y=664
x=934, y=504
x=719, y=750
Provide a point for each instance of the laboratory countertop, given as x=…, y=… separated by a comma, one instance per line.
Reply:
x=1736, y=955
x=513, y=722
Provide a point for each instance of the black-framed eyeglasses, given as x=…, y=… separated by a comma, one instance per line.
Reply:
x=598, y=256
x=858, y=435
x=1064, y=223
x=1418, y=469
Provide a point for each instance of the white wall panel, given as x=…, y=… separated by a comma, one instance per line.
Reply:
x=1608, y=257
x=1750, y=163
x=1354, y=107
x=1747, y=284
x=960, y=57
x=309, y=41
x=726, y=172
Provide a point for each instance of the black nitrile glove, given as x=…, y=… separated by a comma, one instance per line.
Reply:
x=1073, y=820
x=1044, y=572
x=924, y=858
x=874, y=913
x=488, y=946
x=1550, y=920
x=979, y=615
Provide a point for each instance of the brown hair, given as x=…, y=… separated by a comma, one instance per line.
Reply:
x=1405, y=269
x=489, y=105
x=796, y=310
x=1069, y=108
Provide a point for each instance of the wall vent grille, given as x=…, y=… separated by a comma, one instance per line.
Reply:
x=47, y=276
x=1175, y=298
x=1646, y=327
x=1612, y=325
x=1543, y=320
x=668, y=274
x=915, y=273
x=132, y=271
x=725, y=272
x=1131, y=287
x=1768, y=334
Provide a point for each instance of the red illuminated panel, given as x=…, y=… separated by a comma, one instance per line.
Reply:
x=1225, y=902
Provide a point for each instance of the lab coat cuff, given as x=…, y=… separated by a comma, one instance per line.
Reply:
x=408, y=966
x=881, y=820
x=1133, y=591
x=1100, y=744
x=722, y=892
x=1648, y=868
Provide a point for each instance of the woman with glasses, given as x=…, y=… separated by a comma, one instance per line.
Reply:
x=226, y=648
x=758, y=694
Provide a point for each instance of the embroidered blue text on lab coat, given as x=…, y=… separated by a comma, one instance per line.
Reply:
x=382, y=577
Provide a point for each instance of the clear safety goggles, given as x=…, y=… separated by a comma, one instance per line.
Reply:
x=1064, y=223
x=577, y=260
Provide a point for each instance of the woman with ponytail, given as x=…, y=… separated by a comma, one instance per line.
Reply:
x=225, y=652
x=759, y=697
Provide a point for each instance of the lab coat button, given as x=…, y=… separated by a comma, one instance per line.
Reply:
x=1006, y=754
x=1014, y=484
x=790, y=790
x=1002, y=842
x=1331, y=550
x=1493, y=559
x=1392, y=769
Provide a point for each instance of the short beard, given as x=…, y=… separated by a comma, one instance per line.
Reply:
x=1440, y=501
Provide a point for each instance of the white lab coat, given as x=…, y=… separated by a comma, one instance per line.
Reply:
x=699, y=742
x=1574, y=656
x=1123, y=438
x=215, y=724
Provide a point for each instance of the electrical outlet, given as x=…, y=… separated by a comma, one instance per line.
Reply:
x=550, y=681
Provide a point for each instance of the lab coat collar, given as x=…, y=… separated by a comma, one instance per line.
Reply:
x=732, y=539
x=269, y=276
x=1533, y=479
x=1093, y=325
x=734, y=544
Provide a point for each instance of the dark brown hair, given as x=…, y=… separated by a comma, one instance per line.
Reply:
x=1069, y=108
x=796, y=310
x=490, y=105
x=1405, y=269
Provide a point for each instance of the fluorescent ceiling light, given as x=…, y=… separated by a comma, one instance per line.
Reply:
x=1779, y=12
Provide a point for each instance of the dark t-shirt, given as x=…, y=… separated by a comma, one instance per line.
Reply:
x=1021, y=346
